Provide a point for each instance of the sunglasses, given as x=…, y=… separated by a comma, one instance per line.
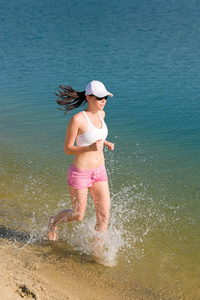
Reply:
x=99, y=98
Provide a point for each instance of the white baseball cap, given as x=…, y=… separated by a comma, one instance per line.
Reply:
x=97, y=89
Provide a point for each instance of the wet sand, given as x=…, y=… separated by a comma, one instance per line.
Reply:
x=55, y=271
x=27, y=272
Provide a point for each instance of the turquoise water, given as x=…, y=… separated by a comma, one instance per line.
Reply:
x=147, y=54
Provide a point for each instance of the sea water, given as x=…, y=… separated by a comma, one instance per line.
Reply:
x=147, y=54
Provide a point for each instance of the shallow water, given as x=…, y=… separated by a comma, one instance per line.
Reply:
x=148, y=57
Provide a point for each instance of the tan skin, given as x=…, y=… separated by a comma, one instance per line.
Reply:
x=86, y=157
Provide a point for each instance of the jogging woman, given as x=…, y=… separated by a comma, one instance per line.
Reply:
x=85, y=138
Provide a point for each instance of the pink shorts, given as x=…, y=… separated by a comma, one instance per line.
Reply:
x=81, y=179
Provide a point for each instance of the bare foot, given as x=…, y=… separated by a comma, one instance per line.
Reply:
x=51, y=231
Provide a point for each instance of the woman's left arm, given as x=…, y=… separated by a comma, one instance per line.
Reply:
x=106, y=143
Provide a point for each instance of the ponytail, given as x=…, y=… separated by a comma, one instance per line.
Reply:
x=69, y=98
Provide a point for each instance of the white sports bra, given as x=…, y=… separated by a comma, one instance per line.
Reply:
x=92, y=134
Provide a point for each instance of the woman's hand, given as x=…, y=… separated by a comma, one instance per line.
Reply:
x=97, y=146
x=110, y=146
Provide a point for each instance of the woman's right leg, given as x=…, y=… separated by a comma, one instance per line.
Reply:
x=79, y=202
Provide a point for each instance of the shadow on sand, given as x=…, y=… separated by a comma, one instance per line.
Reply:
x=14, y=235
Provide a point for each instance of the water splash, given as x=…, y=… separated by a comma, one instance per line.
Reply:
x=81, y=237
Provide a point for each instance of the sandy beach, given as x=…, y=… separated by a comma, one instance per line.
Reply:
x=36, y=271
x=25, y=275
x=55, y=271
x=27, y=272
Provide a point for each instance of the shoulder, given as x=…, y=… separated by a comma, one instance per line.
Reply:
x=77, y=121
x=102, y=113
x=78, y=118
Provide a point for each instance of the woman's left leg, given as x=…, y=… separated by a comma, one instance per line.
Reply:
x=101, y=198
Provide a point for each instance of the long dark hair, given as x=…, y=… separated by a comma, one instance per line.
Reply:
x=69, y=98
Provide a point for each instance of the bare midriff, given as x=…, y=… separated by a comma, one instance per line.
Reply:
x=89, y=160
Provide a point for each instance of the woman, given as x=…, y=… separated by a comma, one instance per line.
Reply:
x=85, y=137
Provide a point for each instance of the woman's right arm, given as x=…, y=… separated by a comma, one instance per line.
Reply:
x=72, y=131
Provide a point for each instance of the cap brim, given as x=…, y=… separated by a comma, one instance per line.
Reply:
x=101, y=95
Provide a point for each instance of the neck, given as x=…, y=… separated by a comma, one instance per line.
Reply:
x=92, y=110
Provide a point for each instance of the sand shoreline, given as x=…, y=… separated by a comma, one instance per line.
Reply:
x=26, y=273
x=54, y=271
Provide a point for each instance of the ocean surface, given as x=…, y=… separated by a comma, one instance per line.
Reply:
x=147, y=53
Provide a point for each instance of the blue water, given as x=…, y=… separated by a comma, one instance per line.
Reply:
x=147, y=54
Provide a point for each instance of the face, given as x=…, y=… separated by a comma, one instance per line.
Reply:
x=99, y=102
